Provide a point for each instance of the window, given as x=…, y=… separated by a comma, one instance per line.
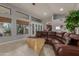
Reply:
x=36, y=19
x=25, y=29
x=5, y=21
x=5, y=29
x=41, y=27
x=33, y=28
x=36, y=27
x=22, y=23
x=58, y=16
x=20, y=29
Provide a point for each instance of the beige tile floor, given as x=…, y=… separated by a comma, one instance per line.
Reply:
x=20, y=48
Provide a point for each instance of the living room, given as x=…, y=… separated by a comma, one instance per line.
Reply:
x=39, y=29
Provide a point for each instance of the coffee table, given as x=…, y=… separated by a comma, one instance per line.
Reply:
x=36, y=44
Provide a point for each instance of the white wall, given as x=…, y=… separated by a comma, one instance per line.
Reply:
x=46, y=21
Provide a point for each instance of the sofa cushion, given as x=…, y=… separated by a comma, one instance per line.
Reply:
x=60, y=34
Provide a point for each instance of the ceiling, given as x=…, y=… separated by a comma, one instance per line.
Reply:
x=45, y=10
x=4, y=10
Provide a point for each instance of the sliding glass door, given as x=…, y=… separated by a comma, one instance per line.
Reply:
x=35, y=27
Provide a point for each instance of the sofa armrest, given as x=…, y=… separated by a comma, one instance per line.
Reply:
x=67, y=50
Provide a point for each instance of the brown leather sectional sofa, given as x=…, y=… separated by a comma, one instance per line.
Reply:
x=61, y=43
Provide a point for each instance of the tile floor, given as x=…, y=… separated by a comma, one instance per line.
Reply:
x=20, y=48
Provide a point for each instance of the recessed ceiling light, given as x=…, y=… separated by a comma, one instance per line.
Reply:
x=44, y=13
x=61, y=9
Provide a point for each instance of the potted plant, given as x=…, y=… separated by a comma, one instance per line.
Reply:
x=72, y=20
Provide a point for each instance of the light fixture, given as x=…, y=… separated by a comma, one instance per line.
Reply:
x=61, y=9
x=45, y=13
x=58, y=28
